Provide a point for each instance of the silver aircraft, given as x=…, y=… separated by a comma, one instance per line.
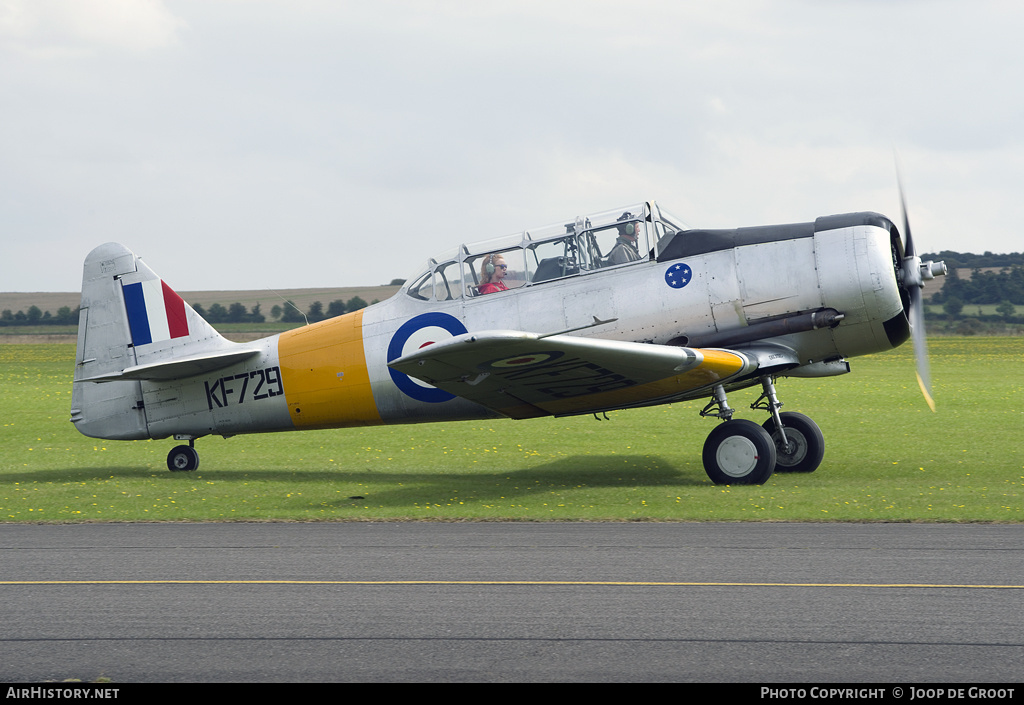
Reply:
x=615, y=310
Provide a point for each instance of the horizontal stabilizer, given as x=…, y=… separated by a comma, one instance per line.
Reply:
x=134, y=329
x=174, y=369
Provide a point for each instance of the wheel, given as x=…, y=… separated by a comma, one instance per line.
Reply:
x=806, y=444
x=182, y=458
x=739, y=452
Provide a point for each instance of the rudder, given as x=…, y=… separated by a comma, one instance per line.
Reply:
x=128, y=317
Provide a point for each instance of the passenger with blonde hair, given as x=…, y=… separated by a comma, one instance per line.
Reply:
x=492, y=270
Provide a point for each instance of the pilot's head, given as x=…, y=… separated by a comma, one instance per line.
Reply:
x=493, y=269
x=627, y=230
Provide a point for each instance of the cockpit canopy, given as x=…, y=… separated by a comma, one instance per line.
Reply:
x=585, y=245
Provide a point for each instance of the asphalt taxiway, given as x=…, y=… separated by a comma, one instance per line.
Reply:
x=512, y=602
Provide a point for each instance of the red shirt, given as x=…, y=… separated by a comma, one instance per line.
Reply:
x=492, y=287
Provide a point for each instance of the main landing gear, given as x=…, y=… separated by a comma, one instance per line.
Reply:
x=183, y=458
x=739, y=452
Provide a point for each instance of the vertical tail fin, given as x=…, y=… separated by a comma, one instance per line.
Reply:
x=128, y=317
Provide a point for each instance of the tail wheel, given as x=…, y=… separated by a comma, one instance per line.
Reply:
x=806, y=445
x=182, y=459
x=739, y=452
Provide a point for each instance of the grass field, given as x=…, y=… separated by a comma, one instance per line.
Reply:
x=888, y=458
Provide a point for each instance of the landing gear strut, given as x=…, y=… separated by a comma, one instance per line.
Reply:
x=803, y=447
x=183, y=458
x=739, y=452
x=799, y=444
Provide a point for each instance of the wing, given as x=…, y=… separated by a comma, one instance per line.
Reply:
x=524, y=375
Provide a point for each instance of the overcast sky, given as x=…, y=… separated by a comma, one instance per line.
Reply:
x=243, y=144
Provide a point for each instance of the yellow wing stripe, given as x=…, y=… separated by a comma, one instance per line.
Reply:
x=323, y=369
x=717, y=366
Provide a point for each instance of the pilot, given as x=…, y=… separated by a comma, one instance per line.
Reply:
x=625, y=244
x=492, y=270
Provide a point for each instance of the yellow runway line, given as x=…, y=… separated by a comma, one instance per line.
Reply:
x=512, y=583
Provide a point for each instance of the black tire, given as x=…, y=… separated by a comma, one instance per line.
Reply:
x=182, y=459
x=739, y=452
x=806, y=443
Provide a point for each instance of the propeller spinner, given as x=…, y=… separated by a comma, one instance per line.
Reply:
x=914, y=274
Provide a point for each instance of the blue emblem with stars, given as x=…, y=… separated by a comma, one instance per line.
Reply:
x=678, y=275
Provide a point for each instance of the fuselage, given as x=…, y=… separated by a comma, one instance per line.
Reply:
x=695, y=288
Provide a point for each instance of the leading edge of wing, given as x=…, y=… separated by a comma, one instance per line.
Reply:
x=524, y=375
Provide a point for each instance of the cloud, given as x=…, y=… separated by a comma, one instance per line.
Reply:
x=63, y=28
x=278, y=142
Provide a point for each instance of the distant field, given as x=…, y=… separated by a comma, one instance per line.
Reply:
x=969, y=310
x=888, y=458
x=50, y=301
x=302, y=298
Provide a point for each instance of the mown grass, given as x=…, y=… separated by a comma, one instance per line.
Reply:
x=888, y=458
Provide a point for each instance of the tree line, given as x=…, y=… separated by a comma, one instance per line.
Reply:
x=290, y=313
x=969, y=260
x=1004, y=286
x=216, y=313
x=35, y=316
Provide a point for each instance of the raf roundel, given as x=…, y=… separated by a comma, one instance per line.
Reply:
x=416, y=333
x=678, y=275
